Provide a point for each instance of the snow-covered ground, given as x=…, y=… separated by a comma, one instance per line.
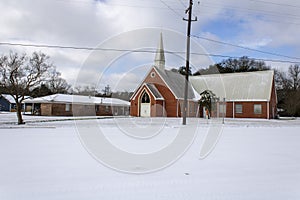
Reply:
x=46, y=159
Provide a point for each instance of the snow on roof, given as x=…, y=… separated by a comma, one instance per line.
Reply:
x=176, y=83
x=246, y=86
x=154, y=91
x=10, y=99
x=78, y=99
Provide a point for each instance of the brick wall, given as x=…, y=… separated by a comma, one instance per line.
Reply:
x=56, y=109
x=46, y=109
x=172, y=105
x=104, y=110
x=78, y=110
x=247, y=110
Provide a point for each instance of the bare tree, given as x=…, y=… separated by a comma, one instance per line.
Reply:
x=294, y=73
x=288, y=90
x=85, y=90
x=19, y=74
x=56, y=83
x=282, y=81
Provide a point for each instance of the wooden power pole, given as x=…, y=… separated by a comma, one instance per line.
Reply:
x=187, y=65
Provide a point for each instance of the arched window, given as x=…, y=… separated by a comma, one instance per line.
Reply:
x=145, y=98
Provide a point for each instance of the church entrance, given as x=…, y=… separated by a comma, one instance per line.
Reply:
x=145, y=105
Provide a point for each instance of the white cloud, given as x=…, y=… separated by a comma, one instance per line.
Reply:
x=110, y=24
x=256, y=44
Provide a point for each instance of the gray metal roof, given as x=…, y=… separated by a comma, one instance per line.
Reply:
x=154, y=91
x=248, y=86
x=176, y=83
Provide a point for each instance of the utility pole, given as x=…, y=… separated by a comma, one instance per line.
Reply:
x=187, y=65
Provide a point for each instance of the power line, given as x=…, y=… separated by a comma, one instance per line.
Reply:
x=115, y=4
x=247, y=48
x=139, y=51
x=169, y=7
x=277, y=4
x=180, y=1
x=253, y=58
x=211, y=5
x=262, y=12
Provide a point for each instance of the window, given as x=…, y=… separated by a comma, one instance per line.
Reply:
x=222, y=109
x=107, y=109
x=257, y=109
x=67, y=107
x=152, y=74
x=191, y=107
x=145, y=98
x=97, y=108
x=238, y=108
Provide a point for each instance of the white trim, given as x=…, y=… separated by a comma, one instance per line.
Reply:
x=163, y=108
x=246, y=100
x=233, y=110
x=165, y=83
x=142, y=82
x=163, y=80
x=188, y=108
x=268, y=110
x=177, y=108
x=139, y=103
x=273, y=82
x=145, y=84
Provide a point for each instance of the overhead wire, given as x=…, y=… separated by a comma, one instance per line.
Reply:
x=277, y=4
x=207, y=5
x=174, y=10
x=247, y=48
x=180, y=1
x=139, y=51
x=169, y=7
x=263, y=14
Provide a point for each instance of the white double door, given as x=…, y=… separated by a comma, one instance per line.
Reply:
x=145, y=110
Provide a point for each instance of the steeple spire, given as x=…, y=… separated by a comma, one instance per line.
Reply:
x=160, y=55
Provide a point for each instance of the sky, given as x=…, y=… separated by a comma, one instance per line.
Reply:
x=126, y=34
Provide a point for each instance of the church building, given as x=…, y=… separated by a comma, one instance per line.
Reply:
x=239, y=95
x=161, y=93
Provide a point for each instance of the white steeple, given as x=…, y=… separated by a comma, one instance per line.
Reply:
x=160, y=55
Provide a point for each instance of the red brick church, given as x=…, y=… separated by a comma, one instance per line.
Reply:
x=245, y=95
x=161, y=93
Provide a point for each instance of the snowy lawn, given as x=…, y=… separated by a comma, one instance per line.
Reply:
x=253, y=159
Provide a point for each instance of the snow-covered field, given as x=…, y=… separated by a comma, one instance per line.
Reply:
x=45, y=159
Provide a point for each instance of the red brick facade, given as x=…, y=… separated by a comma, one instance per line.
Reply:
x=247, y=108
x=67, y=109
x=170, y=106
x=268, y=108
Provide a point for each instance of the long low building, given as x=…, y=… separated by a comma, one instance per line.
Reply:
x=77, y=105
x=246, y=95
